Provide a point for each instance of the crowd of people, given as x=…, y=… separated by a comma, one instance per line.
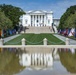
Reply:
x=9, y=32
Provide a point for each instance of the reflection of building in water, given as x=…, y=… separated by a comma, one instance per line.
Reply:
x=33, y=60
x=56, y=54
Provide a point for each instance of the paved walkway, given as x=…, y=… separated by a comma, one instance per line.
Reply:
x=11, y=37
x=72, y=42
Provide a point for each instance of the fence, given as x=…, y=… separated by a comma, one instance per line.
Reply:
x=23, y=41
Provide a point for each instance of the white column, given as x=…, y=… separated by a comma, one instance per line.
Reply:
x=35, y=58
x=33, y=20
x=45, y=63
x=38, y=20
x=44, y=20
x=41, y=60
x=41, y=20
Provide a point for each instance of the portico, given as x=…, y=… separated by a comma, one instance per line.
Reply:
x=38, y=20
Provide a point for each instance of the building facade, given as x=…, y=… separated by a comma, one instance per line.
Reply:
x=37, y=18
x=56, y=22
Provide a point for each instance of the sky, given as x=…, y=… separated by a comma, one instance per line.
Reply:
x=57, y=6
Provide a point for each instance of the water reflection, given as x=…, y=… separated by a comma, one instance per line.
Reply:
x=9, y=62
x=41, y=61
x=68, y=59
x=36, y=60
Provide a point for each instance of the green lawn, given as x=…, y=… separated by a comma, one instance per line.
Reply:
x=35, y=39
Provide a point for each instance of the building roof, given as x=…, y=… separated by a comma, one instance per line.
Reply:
x=38, y=12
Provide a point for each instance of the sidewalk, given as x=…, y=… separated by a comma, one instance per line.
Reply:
x=11, y=37
x=72, y=42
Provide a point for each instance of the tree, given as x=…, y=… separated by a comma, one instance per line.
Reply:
x=64, y=18
x=4, y=22
x=71, y=21
x=12, y=12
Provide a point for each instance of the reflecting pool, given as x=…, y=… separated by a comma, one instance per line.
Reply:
x=22, y=61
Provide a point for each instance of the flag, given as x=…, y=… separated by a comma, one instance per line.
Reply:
x=72, y=31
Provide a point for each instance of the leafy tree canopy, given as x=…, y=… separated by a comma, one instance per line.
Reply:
x=12, y=12
x=4, y=21
x=66, y=18
x=71, y=21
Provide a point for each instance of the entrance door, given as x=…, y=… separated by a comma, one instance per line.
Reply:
x=38, y=23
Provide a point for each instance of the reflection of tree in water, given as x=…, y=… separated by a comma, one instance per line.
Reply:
x=68, y=60
x=9, y=63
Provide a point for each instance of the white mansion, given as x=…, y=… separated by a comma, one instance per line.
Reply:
x=37, y=18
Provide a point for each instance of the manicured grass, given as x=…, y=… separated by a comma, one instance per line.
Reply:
x=35, y=39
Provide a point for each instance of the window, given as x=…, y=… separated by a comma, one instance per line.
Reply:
x=48, y=21
x=25, y=21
